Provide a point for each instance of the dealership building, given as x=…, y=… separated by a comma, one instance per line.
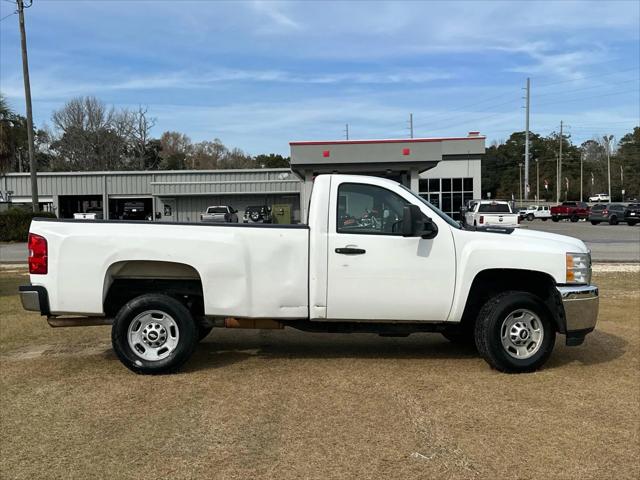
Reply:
x=445, y=171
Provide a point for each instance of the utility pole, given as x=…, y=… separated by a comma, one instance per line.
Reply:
x=622, y=182
x=537, y=182
x=607, y=141
x=27, y=97
x=581, y=159
x=520, y=182
x=346, y=131
x=411, y=125
x=526, y=143
x=560, y=160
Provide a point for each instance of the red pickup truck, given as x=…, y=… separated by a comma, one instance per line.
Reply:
x=574, y=211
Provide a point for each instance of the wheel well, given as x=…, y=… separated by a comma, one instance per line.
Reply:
x=127, y=280
x=489, y=283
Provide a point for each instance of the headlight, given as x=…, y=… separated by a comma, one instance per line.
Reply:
x=579, y=268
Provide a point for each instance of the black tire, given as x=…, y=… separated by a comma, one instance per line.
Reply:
x=613, y=220
x=631, y=223
x=544, y=219
x=574, y=218
x=203, y=332
x=530, y=217
x=555, y=218
x=488, y=332
x=593, y=222
x=187, y=334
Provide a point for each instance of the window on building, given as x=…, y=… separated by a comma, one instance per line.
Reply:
x=448, y=194
x=369, y=209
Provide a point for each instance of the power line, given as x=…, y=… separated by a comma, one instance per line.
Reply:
x=587, y=77
x=454, y=117
x=588, y=88
x=7, y=16
x=577, y=99
x=464, y=107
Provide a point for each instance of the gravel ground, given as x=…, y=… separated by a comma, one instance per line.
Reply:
x=287, y=404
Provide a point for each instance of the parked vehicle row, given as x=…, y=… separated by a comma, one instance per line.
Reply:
x=228, y=214
x=615, y=213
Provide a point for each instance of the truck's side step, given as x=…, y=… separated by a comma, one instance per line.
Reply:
x=78, y=321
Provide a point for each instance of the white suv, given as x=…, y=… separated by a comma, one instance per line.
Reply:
x=600, y=197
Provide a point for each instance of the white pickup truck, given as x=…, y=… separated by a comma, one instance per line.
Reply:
x=491, y=213
x=374, y=257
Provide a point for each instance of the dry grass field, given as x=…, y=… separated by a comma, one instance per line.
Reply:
x=287, y=404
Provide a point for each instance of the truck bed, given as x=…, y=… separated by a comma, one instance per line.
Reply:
x=261, y=273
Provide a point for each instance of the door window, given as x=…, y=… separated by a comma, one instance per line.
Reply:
x=369, y=209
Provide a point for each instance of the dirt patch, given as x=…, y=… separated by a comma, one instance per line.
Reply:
x=287, y=404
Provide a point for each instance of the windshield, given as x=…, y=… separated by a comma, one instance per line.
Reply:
x=217, y=210
x=436, y=210
x=494, y=208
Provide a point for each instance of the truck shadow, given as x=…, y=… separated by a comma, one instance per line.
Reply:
x=227, y=348
x=599, y=347
x=223, y=349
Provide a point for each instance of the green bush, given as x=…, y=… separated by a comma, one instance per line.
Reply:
x=14, y=224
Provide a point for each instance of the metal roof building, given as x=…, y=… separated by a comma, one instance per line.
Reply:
x=446, y=171
x=180, y=195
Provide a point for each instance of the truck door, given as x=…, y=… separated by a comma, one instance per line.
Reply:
x=374, y=273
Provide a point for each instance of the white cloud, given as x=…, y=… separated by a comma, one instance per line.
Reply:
x=272, y=10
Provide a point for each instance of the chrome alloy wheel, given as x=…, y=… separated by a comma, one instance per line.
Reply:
x=522, y=334
x=153, y=335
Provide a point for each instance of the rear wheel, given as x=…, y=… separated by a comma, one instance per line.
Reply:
x=555, y=218
x=154, y=334
x=631, y=223
x=613, y=220
x=574, y=218
x=514, y=332
x=544, y=219
x=593, y=222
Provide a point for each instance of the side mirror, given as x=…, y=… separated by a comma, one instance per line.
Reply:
x=463, y=210
x=417, y=224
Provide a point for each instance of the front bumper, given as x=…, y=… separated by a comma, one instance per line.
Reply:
x=34, y=299
x=580, y=303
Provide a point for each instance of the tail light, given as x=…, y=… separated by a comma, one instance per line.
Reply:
x=605, y=212
x=38, y=254
x=519, y=219
x=481, y=219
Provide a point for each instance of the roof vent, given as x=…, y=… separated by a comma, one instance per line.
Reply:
x=474, y=134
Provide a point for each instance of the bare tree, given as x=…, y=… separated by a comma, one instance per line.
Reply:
x=142, y=125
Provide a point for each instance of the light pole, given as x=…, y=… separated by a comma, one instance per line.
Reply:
x=520, y=182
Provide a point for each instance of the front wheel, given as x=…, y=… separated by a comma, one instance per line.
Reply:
x=574, y=218
x=154, y=334
x=631, y=223
x=593, y=222
x=530, y=217
x=514, y=332
x=544, y=219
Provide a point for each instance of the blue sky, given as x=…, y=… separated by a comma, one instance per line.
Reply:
x=259, y=74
